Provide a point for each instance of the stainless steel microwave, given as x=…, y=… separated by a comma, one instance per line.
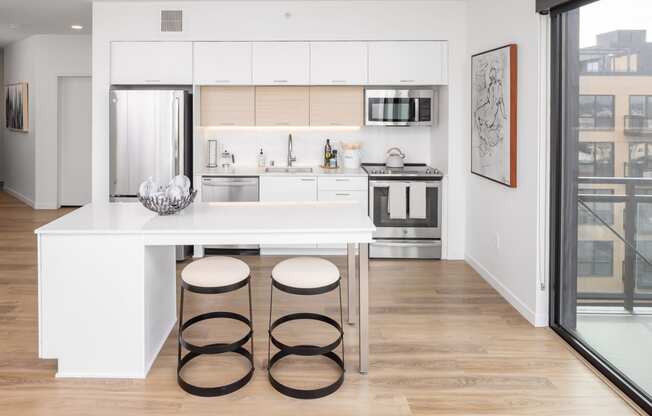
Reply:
x=399, y=107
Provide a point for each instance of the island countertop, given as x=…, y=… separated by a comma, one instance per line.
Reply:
x=214, y=217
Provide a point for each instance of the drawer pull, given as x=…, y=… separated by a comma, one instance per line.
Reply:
x=340, y=81
x=407, y=80
x=308, y=180
x=343, y=194
x=341, y=180
x=280, y=80
x=152, y=80
x=222, y=81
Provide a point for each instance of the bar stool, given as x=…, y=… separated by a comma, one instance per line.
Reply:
x=213, y=275
x=305, y=276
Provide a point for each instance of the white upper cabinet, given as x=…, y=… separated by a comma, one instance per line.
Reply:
x=338, y=63
x=154, y=63
x=408, y=62
x=281, y=63
x=222, y=63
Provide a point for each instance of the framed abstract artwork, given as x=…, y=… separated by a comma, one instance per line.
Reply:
x=493, y=113
x=17, y=106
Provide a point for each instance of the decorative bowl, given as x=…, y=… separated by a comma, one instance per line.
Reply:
x=163, y=205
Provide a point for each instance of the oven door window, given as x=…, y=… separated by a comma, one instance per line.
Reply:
x=381, y=215
x=393, y=110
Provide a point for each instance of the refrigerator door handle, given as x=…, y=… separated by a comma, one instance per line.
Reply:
x=177, y=134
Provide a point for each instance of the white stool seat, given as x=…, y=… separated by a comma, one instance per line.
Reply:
x=215, y=272
x=305, y=272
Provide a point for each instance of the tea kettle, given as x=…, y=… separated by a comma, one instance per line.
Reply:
x=394, y=158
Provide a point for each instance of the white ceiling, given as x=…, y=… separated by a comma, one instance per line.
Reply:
x=22, y=18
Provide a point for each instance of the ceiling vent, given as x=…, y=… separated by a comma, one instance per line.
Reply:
x=171, y=20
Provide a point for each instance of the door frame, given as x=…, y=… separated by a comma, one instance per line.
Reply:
x=559, y=245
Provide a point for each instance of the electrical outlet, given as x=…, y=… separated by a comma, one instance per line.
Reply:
x=497, y=241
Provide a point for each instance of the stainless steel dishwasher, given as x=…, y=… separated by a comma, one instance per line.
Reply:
x=230, y=189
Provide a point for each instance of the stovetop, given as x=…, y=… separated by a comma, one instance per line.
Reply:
x=410, y=170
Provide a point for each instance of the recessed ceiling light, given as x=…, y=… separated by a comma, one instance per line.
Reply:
x=77, y=27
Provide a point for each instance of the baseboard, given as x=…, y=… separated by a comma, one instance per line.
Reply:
x=40, y=205
x=63, y=374
x=505, y=292
x=22, y=198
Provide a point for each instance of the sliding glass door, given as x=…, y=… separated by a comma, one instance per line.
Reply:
x=602, y=186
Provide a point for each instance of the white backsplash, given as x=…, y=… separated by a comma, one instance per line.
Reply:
x=308, y=144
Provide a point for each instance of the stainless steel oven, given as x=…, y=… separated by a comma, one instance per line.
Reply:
x=399, y=107
x=405, y=237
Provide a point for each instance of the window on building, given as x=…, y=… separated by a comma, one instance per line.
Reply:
x=595, y=258
x=640, y=105
x=605, y=210
x=639, y=164
x=643, y=270
x=596, y=112
x=596, y=159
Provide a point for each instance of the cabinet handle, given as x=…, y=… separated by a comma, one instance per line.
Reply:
x=308, y=180
x=339, y=81
x=341, y=180
x=227, y=124
x=152, y=80
x=407, y=80
x=280, y=80
x=283, y=123
x=222, y=81
x=343, y=194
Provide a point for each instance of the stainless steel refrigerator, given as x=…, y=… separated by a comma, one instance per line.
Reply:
x=150, y=135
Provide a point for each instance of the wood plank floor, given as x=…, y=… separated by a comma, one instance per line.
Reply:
x=443, y=342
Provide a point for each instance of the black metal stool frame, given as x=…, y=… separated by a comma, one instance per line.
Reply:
x=218, y=348
x=305, y=350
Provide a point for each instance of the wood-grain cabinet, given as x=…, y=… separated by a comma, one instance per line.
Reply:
x=408, y=62
x=282, y=106
x=151, y=63
x=222, y=63
x=336, y=106
x=227, y=106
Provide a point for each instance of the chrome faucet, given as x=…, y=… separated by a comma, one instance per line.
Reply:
x=291, y=158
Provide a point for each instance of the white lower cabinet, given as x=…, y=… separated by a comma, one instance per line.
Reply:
x=343, y=188
x=287, y=189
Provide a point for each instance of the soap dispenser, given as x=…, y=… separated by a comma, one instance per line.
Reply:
x=261, y=159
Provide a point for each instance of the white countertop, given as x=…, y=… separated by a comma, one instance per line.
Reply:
x=215, y=218
x=256, y=171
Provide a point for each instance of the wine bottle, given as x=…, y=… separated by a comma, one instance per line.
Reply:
x=328, y=153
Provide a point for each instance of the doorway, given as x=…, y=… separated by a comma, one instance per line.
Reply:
x=74, y=140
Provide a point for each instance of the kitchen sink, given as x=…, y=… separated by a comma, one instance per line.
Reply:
x=288, y=170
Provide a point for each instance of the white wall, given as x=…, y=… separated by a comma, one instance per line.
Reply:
x=308, y=144
x=58, y=55
x=31, y=159
x=495, y=212
x=19, y=172
x=265, y=20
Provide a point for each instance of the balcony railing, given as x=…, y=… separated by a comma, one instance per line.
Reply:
x=636, y=191
x=638, y=125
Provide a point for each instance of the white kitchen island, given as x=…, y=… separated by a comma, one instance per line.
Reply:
x=107, y=273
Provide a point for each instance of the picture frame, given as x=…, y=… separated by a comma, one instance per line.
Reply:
x=17, y=107
x=494, y=77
